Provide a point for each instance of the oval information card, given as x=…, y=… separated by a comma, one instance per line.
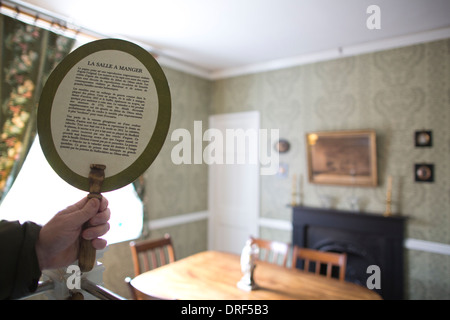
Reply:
x=108, y=103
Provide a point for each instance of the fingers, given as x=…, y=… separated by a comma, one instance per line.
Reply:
x=98, y=225
x=99, y=244
x=81, y=205
x=88, y=211
x=98, y=214
x=75, y=207
x=85, y=209
x=103, y=204
x=95, y=232
x=100, y=218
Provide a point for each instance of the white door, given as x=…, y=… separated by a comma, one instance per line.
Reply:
x=233, y=185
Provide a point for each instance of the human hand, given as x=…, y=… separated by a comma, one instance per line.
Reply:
x=58, y=242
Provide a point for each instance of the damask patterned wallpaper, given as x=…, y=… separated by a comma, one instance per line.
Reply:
x=177, y=189
x=394, y=92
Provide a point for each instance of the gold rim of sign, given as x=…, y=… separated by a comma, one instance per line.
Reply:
x=154, y=145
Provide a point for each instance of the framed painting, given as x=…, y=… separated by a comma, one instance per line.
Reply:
x=342, y=157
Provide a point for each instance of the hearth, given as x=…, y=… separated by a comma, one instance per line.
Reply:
x=368, y=239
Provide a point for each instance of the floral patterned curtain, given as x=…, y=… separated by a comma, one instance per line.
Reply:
x=28, y=55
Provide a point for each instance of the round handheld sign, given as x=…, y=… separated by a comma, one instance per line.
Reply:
x=104, y=114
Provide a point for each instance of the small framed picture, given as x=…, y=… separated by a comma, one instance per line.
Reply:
x=424, y=172
x=423, y=138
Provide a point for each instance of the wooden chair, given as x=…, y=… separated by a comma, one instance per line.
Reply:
x=272, y=251
x=319, y=258
x=153, y=253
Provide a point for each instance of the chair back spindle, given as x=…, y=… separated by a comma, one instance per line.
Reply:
x=272, y=251
x=320, y=258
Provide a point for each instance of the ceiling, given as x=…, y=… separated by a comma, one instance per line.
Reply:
x=217, y=35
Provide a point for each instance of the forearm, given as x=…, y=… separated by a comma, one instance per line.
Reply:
x=19, y=268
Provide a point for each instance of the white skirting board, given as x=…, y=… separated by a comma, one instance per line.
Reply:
x=177, y=220
x=428, y=246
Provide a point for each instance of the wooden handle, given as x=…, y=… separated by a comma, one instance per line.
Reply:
x=86, y=252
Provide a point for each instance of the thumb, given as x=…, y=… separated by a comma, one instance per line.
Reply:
x=89, y=210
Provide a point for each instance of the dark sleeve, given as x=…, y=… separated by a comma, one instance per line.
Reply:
x=19, y=267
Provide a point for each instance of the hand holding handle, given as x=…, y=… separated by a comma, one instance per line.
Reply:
x=87, y=253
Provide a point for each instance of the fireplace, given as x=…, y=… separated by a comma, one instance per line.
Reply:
x=368, y=239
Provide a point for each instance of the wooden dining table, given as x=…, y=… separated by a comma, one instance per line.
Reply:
x=213, y=275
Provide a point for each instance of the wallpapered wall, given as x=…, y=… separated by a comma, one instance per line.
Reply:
x=394, y=92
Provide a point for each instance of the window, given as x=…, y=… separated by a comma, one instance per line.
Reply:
x=39, y=193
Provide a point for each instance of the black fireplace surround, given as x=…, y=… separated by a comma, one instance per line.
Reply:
x=368, y=239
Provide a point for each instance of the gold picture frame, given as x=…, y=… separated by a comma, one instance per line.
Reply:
x=342, y=157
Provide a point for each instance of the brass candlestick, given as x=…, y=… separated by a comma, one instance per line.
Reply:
x=388, y=211
x=300, y=194
x=297, y=194
x=294, y=190
x=294, y=199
